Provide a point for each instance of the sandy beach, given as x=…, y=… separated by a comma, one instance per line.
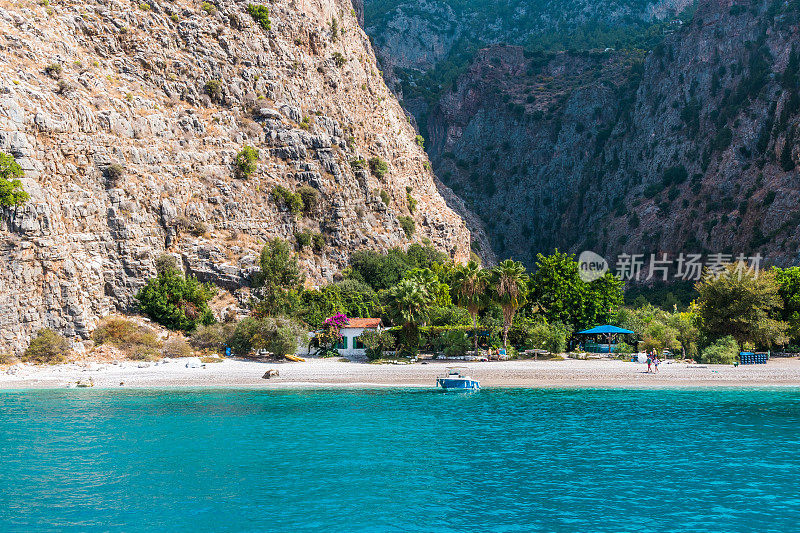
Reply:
x=321, y=373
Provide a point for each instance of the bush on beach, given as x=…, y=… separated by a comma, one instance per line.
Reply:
x=212, y=338
x=136, y=341
x=47, y=347
x=176, y=347
x=724, y=351
x=279, y=336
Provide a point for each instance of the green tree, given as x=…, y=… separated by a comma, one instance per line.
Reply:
x=427, y=278
x=687, y=331
x=723, y=351
x=409, y=303
x=280, y=336
x=788, y=280
x=383, y=270
x=246, y=161
x=176, y=301
x=470, y=290
x=509, y=288
x=279, y=266
x=545, y=336
x=557, y=288
x=279, y=281
x=603, y=297
x=11, y=192
x=742, y=303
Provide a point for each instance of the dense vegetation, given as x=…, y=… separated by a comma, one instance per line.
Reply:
x=440, y=306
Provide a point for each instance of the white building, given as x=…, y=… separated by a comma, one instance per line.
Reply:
x=350, y=344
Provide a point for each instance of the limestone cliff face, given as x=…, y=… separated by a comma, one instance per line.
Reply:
x=518, y=135
x=422, y=44
x=127, y=117
x=692, y=147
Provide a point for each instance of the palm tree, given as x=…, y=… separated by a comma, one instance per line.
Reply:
x=509, y=289
x=435, y=287
x=410, y=302
x=470, y=284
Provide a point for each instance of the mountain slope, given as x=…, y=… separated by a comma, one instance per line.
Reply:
x=691, y=148
x=423, y=45
x=127, y=118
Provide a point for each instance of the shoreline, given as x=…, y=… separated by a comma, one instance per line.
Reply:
x=332, y=374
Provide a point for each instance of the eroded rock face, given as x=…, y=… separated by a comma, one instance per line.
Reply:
x=690, y=148
x=128, y=148
x=416, y=37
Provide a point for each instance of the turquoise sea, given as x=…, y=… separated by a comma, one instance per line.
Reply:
x=400, y=460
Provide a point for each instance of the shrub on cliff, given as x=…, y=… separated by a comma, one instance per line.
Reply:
x=246, y=161
x=209, y=8
x=176, y=301
x=412, y=202
x=358, y=163
x=260, y=14
x=47, y=347
x=213, y=88
x=114, y=174
x=11, y=192
x=286, y=199
x=379, y=167
x=53, y=70
x=408, y=225
x=310, y=197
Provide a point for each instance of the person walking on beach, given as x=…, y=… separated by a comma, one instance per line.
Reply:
x=656, y=362
x=649, y=361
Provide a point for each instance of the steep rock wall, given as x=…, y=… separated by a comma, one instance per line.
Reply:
x=127, y=117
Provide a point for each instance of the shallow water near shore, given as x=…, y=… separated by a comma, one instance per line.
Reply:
x=399, y=460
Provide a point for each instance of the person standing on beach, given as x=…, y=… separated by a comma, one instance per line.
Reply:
x=649, y=361
x=656, y=362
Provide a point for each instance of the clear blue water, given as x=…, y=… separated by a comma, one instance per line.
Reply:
x=400, y=460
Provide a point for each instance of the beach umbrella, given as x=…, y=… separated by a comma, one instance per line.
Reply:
x=605, y=330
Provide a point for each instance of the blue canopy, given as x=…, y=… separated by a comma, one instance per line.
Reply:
x=604, y=330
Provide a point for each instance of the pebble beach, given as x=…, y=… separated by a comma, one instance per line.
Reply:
x=334, y=373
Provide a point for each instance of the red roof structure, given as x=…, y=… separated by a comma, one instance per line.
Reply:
x=363, y=323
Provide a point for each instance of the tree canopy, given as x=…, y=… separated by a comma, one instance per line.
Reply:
x=564, y=297
x=176, y=301
x=743, y=304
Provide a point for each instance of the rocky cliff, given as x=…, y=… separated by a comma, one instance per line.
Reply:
x=422, y=45
x=691, y=147
x=127, y=118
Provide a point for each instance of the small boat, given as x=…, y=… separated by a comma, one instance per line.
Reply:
x=456, y=379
